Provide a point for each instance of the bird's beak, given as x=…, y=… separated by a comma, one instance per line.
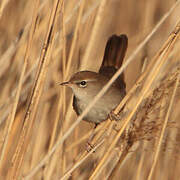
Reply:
x=64, y=84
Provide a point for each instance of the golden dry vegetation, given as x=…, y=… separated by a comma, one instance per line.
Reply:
x=42, y=43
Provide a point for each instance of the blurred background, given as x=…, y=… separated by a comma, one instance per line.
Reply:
x=54, y=114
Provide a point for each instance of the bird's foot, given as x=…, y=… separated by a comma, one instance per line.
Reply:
x=119, y=116
x=89, y=146
x=113, y=116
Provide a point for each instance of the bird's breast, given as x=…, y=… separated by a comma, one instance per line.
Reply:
x=99, y=112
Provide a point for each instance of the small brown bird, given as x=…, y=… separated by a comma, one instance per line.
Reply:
x=86, y=84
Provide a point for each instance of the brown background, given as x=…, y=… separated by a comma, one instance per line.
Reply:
x=134, y=18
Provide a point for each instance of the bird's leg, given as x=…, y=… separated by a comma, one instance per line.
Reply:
x=89, y=145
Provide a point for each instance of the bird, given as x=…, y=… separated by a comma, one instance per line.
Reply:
x=86, y=84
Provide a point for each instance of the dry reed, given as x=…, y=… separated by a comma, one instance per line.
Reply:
x=43, y=43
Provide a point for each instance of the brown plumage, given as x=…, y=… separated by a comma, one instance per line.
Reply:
x=86, y=84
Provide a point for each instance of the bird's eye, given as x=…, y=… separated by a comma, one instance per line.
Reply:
x=83, y=84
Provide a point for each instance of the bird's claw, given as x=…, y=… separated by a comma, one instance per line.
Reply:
x=89, y=147
x=113, y=116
